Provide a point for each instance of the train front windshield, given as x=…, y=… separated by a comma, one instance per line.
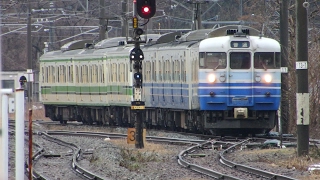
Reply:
x=267, y=60
x=239, y=60
x=213, y=60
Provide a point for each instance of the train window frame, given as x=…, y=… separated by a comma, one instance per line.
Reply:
x=70, y=73
x=148, y=71
x=80, y=74
x=153, y=70
x=183, y=70
x=77, y=74
x=243, y=64
x=267, y=60
x=219, y=57
x=159, y=79
x=167, y=70
x=122, y=74
x=64, y=74
x=126, y=72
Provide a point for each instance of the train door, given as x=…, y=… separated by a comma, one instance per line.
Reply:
x=240, y=79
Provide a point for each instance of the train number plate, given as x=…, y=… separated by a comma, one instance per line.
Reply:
x=137, y=107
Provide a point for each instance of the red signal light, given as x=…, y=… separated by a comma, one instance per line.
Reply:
x=145, y=9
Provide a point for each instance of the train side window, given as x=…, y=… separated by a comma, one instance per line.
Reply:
x=114, y=72
x=58, y=74
x=214, y=60
x=91, y=74
x=126, y=72
x=183, y=71
x=118, y=72
x=84, y=72
x=70, y=71
x=84, y=75
x=99, y=73
x=78, y=74
x=201, y=59
x=95, y=73
x=122, y=72
x=160, y=72
x=167, y=68
x=64, y=74
x=153, y=76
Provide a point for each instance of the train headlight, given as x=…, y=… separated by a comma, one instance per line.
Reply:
x=211, y=78
x=267, y=78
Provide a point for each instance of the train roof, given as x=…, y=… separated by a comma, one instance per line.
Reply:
x=222, y=43
x=172, y=40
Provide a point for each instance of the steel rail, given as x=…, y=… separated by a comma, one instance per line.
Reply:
x=249, y=169
x=77, y=153
x=201, y=169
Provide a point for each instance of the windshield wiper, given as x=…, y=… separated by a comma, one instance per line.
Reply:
x=215, y=68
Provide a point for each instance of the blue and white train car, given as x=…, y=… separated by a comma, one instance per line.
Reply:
x=239, y=82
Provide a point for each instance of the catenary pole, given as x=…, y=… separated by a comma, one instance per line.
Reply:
x=284, y=122
x=302, y=95
x=102, y=30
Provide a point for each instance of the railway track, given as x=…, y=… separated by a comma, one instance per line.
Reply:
x=229, y=145
x=196, y=144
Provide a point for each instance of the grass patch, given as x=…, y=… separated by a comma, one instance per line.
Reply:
x=288, y=158
x=134, y=159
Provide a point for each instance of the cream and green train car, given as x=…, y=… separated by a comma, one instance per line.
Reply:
x=87, y=85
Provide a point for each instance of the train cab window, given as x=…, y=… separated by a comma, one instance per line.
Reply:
x=240, y=60
x=212, y=60
x=267, y=60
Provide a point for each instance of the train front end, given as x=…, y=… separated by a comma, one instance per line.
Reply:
x=239, y=83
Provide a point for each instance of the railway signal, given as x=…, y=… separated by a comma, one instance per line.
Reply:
x=146, y=8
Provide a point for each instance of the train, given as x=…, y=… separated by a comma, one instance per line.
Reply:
x=221, y=81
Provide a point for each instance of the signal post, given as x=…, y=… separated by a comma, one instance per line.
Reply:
x=145, y=9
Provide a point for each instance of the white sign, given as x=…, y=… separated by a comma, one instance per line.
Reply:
x=284, y=69
x=302, y=65
x=303, y=108
x=29, y=77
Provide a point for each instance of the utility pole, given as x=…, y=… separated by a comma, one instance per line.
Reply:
x=284, y=64
x=103, y=28
x=30, y=94
x=197, y=14
x=302, y=77
x=51, y=28
x=29, y=52
x=124, y=19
